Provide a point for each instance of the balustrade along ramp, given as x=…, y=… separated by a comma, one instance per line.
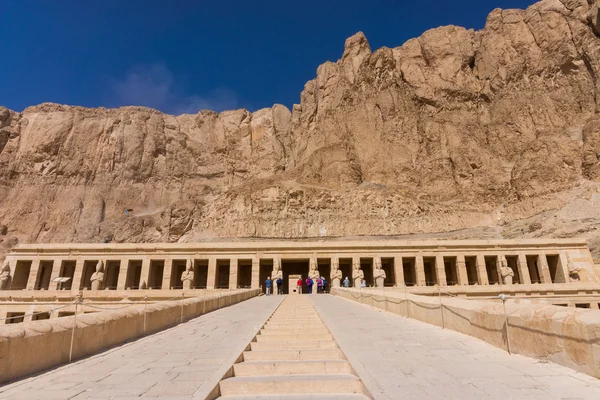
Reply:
x=294, y=356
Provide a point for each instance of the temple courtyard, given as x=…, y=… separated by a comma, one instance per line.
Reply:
x=321, y=344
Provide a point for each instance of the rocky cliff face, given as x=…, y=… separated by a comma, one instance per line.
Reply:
x=457, y=133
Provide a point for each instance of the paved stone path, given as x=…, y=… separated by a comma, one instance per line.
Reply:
x=175, y=364
x=398, y=358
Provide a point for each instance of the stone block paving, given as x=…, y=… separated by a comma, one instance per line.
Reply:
x=183, y=362
x=399, y=358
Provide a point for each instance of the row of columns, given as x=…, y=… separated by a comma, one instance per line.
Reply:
x=398, y=269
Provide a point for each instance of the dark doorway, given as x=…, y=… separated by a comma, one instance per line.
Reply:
x=532, y=266
x=265, y=270
x=430, y=272
x=244, y=275
x=89, y=267
x=491, y=266
x=346, y=268
x=200, y=274
x=556, y=274
x=295, y=267
x=67, y=270
x=387, y=264
x=134, y=274
x=512, y=262
x=112, y=274
x=324, y=266
x=366, y=264
x=157, y=270
x=44, y=274
x=408, y=267
x=451, y=271
x=471, y=265
x=223, y=267
x=21, y=275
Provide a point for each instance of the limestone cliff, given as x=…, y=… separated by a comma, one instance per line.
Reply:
x=457, y=133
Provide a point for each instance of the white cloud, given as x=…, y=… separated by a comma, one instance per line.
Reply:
x=155, y=86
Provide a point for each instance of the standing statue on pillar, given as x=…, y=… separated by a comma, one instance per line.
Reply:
x=187, y=277
x=379, y=274
x=507, y=273
x=5, y=278
x=276, y=273
x=336, y=274
x=313, y=273
x=357, y=274
x=97, y=277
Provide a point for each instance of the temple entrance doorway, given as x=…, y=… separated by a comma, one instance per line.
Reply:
x=294, y=267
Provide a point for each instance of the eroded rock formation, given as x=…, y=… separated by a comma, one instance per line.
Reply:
x=458, y=132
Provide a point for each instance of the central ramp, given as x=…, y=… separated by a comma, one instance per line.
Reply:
x=292, y=357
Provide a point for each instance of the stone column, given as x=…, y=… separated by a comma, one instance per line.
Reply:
x=420, y=270
x=212, y=273
x=461, y=270
x=543, y=269
x=145, y=274
x=523, y=270
x=440, y=270
x=356, y=280
x=399, y=272
x=166, y=283
x=76, y=286
x=56, y=264
x=33, y=273
x=233, y=273
x=563, y=266
x=122, y=278
x=482, y=277
x=255, y=273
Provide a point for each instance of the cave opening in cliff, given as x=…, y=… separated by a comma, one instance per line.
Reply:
x=111, y=277
x=491, y=266
x=556, y=273
x=200, y=275
x=67, y=270
x=21, y=275
x=471, y=266
x=223, y=268
x=134, y=274
x=410, y=273
x=366, y=264
x=244, y=274
x=533, y=268
x=265, y=270
x=387, y=264
x=346, y=268
x=157, y=270
x=324, y=266
x=293, y=267
x=431, y=278
x=451, y=271
x=512, y=262
x=42, y=281
x=89, y=267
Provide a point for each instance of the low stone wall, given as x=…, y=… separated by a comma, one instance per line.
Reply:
x=31, y=347
x=566, y=336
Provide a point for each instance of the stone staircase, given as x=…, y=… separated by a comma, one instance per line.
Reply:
x=294, y=356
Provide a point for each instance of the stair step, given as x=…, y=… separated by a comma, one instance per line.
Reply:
x=293, y=384
x=308, y=331
x=294, y=337
x=282, y=355
x=295, y=345
x=347, y=396
x=270, y=368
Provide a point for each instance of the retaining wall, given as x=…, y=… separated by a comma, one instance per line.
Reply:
x=566, y=336
x=31, y=347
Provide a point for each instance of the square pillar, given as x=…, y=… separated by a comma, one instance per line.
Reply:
x=255, y=273
x=563, y=265
x=461, y=270
x=212, y=273
x=166, y=283
x=122, y=278
x=56, y=264
x=233, y=272
x=523, y=270
x=482, y=277
x=440, y=270
x=33, y=273
x=78, y=274
x=420, y=270
x=543, y=269
x=399, y=272
x=145, y=273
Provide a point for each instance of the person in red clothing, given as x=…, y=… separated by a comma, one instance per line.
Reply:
x=299, y=285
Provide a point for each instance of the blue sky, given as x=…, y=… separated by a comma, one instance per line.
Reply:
x=181, y=56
